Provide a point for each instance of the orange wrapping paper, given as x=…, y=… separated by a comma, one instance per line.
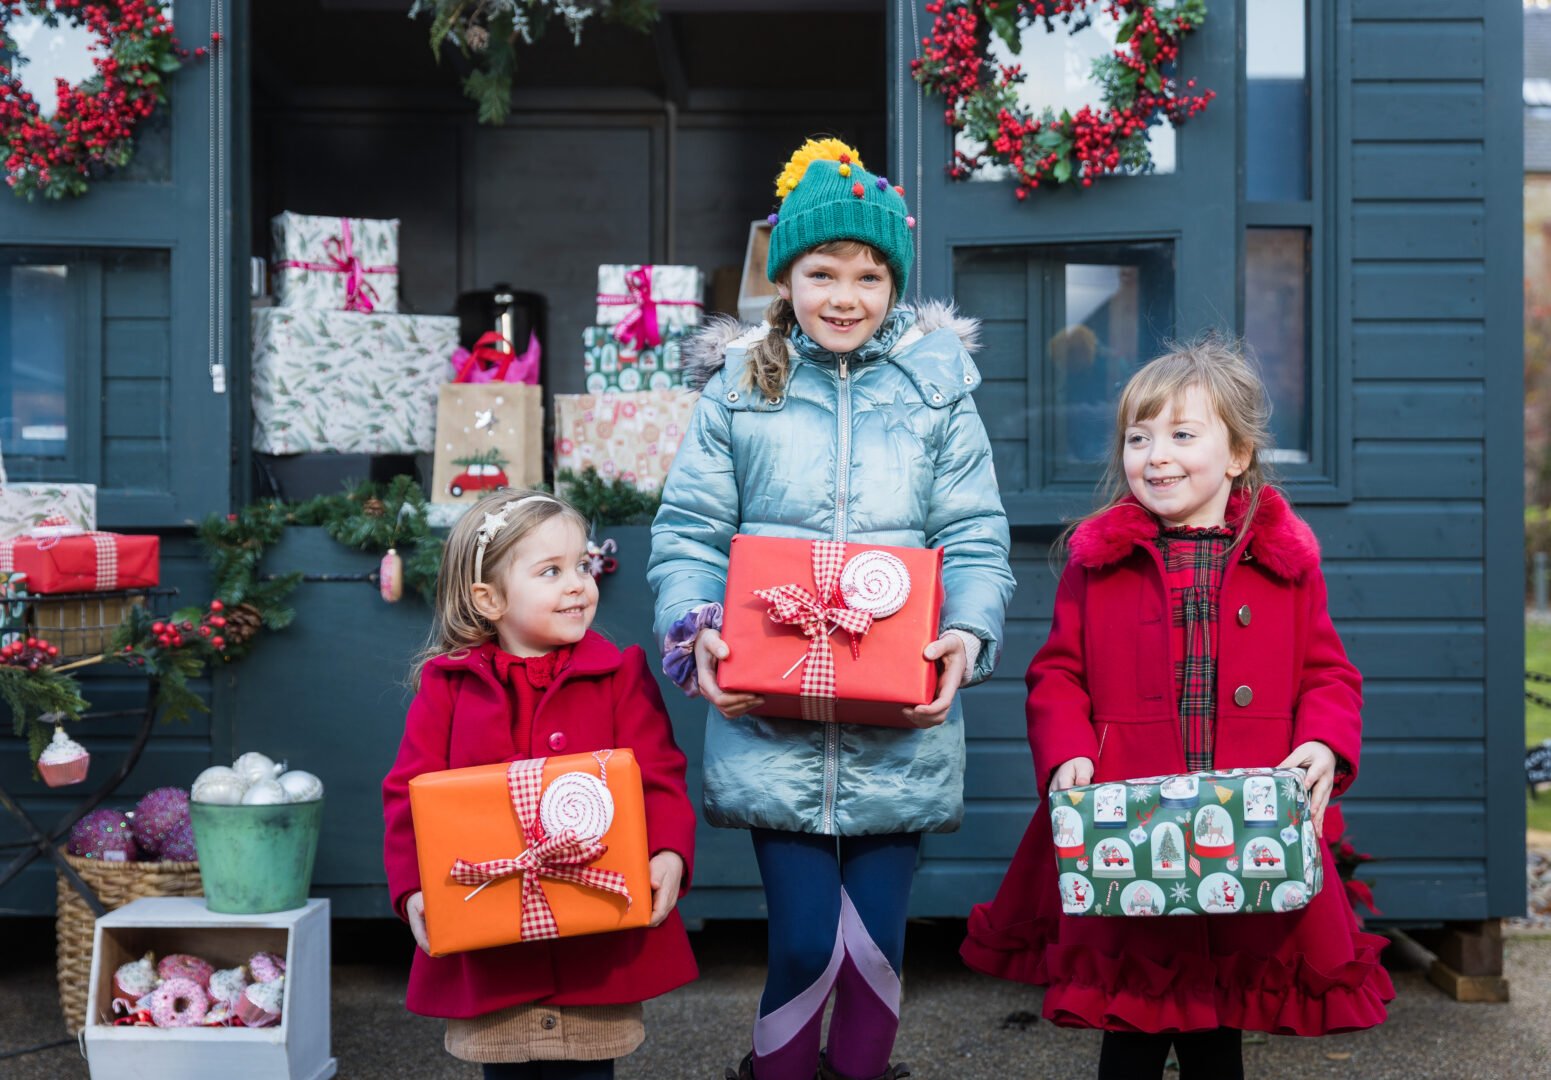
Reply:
x=468, y=814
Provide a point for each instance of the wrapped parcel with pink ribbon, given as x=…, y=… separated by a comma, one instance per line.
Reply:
x=336, y=263
x=642, y=302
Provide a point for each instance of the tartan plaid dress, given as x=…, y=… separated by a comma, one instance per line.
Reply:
x=1193, y=564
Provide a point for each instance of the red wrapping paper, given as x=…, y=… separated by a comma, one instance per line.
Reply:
x=88, y=562
x=885, y=675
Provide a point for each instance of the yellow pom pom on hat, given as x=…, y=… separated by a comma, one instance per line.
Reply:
x=827, y=194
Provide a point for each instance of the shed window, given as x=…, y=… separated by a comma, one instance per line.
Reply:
x=38, y=322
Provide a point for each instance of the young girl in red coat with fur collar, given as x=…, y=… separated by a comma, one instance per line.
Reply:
x=515, y=672
x=1190, y=632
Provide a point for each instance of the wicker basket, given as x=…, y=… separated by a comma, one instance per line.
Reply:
x=115, y=884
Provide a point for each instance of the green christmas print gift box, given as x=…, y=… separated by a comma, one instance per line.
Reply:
x=1237, y=841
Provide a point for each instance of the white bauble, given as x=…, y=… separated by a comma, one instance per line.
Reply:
x=264, y=793
x=217, y=770
x=254, y=766
x=301, y=786
x=227, y=790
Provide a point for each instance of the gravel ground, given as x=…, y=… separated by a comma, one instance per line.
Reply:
x=957, y=1025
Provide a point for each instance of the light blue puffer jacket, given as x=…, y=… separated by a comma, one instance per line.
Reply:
x=920, y=475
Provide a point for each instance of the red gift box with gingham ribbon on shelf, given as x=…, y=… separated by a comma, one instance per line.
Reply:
x=84, y=562
x=828, y=631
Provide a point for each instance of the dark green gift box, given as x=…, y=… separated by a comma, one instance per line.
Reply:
x=1236, y=841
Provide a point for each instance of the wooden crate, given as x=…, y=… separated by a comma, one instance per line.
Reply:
x=297, y=1048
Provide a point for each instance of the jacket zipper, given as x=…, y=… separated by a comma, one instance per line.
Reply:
x=842, y=491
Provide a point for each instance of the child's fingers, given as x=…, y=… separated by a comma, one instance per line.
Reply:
x=1082, y=772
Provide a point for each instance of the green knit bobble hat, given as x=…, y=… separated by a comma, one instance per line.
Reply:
x=827, y=195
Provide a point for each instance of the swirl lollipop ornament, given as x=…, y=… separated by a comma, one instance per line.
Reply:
x=577, y=801
x=875, y=582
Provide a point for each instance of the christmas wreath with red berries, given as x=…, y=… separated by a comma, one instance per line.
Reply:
x=92, y=129
x=1138, y=86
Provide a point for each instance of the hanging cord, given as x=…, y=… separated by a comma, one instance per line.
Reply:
x=216, y=310
x=900, y=78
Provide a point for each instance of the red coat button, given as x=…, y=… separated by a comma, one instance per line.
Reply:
x=557, y=742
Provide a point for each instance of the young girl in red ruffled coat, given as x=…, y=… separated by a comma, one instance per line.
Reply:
x=1190, y=632
x=516, y=672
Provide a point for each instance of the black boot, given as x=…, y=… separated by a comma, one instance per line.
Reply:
x=745, y=1070
x=893, y=1072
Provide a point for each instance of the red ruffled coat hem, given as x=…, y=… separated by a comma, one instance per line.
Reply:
x=1283, y=992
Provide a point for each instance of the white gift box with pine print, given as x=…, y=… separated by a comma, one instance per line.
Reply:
x=346, y=382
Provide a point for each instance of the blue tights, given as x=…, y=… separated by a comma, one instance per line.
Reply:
x=803, y=874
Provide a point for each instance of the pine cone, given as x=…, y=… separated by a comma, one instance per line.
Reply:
x=477, y=37
x=242, y=622
x=374, y=507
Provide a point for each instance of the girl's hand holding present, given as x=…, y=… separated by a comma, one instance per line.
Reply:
x=667, y=869
x=1320, y=762
x=414, y=907
x=1074, y=773
x=711, y=650
x=949, y=650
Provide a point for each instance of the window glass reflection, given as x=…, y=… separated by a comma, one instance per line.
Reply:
x=1276, y=158
x=1276, y=321
x=36, y=306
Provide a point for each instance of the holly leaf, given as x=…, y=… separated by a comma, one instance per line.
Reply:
x=1003, y=18
x=1128, y=28
x=1154, y=80
x=1063, y=170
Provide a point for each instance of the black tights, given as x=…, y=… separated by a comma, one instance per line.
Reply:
x=551, y=1070
x=1215, y=1055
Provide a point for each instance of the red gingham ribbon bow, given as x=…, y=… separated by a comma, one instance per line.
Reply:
x=795, y=605
x=563, y=857
x=359, y=293
x=639, y=328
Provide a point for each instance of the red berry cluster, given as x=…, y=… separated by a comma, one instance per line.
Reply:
x=176, y=633
x=93, y=125
x=30, y=653
x=1137, y=87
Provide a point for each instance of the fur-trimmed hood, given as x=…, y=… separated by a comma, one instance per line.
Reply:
x=1279, y=539
x=704, y=353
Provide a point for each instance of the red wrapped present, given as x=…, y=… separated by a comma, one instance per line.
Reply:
x=85, y=562
x=829, y=631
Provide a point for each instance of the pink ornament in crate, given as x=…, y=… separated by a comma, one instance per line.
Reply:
x=105, y=835
x=179, y=1003
x=227, y=985
x=266, y=967
x=63, y=761
x=186, y=966
x=158, y=815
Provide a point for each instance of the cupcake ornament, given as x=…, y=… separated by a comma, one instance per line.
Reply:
x=227, y=985
x=266, y=967
x=63, y=761
x=136, y=979
x=260, y=1003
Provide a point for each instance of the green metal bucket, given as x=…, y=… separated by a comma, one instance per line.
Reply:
x=255, y=859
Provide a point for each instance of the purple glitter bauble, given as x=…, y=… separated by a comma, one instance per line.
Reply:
x=157, y=815
x=105, y=835
x=178, y=845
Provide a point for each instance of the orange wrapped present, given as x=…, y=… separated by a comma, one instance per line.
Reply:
x=866, y=612
x=541, y=848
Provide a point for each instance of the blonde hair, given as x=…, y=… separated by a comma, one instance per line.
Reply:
x=768, y=361
x=456, y=623
x=1222, y=369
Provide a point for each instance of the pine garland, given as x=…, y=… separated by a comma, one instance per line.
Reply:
x=36, y=699
x=487, y=32
x=607, y=502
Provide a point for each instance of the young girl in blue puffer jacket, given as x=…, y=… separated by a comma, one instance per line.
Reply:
x=846, y=418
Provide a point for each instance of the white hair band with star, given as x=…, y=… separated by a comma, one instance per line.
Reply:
x=494, y=523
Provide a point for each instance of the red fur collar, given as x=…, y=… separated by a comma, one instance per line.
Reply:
x=1280, y=540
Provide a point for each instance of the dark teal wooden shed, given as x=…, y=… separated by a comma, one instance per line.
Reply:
x=1349, y=202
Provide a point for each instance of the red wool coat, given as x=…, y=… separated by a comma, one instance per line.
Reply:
x=463, y=716
x=1102, y=687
